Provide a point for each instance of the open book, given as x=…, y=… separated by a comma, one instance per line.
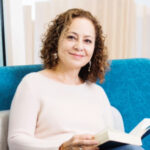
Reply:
x=109, y=138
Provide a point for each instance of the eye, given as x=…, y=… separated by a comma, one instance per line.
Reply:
x=88, y=41
x=70, y=37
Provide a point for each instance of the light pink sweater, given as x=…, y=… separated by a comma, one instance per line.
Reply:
x=45, y=113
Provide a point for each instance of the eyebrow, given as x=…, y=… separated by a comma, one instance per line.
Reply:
x=85, y=35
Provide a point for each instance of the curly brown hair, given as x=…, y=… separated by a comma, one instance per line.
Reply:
x=99, y=60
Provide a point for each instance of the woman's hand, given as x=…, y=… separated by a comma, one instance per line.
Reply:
x=80, y=142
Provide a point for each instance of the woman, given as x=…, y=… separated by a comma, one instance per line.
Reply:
x=61, y=107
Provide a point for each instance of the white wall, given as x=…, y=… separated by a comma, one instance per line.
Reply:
x=125, y=24
x=14, y=32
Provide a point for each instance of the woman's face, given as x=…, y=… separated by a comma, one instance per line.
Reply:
x=76, y=45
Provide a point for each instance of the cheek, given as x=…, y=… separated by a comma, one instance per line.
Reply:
x=90, y=50
x=66, y=46
x=63, y=49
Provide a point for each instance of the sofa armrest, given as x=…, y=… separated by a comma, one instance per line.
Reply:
x=4, y=117
x=117, y=118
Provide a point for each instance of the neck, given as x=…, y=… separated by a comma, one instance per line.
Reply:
x=68, y=76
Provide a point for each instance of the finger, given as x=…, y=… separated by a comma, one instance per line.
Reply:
x=91, y=148
x=83, y=143
x=85, y=137
x=84, y=140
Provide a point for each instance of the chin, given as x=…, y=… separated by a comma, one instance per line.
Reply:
x=77, y=65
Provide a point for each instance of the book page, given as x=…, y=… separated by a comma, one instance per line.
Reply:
x=115, y=137
x=142, y=128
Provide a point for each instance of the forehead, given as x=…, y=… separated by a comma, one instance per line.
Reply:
x=81, y=26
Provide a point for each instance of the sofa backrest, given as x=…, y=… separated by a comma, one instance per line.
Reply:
x=127, y=85
x=10, y=77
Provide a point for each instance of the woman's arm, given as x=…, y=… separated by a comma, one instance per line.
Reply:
x=23, y=118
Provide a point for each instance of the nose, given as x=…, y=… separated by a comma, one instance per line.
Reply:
x=79, y=46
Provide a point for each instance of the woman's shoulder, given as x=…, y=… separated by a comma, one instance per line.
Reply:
x=30, y=76
x=34, y=75
x=95, y=86
x=42, y=77
x=30, y=79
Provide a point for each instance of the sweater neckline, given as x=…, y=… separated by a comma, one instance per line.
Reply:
x=60, y=83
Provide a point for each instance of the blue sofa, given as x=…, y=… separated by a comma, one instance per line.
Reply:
x=127, y=85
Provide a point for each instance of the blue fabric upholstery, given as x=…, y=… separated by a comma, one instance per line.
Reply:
x=127, y=85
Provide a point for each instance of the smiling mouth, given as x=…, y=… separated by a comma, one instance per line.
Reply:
x=76, y=55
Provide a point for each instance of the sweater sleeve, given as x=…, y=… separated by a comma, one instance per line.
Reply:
x=108, y=117
x=22, y=122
